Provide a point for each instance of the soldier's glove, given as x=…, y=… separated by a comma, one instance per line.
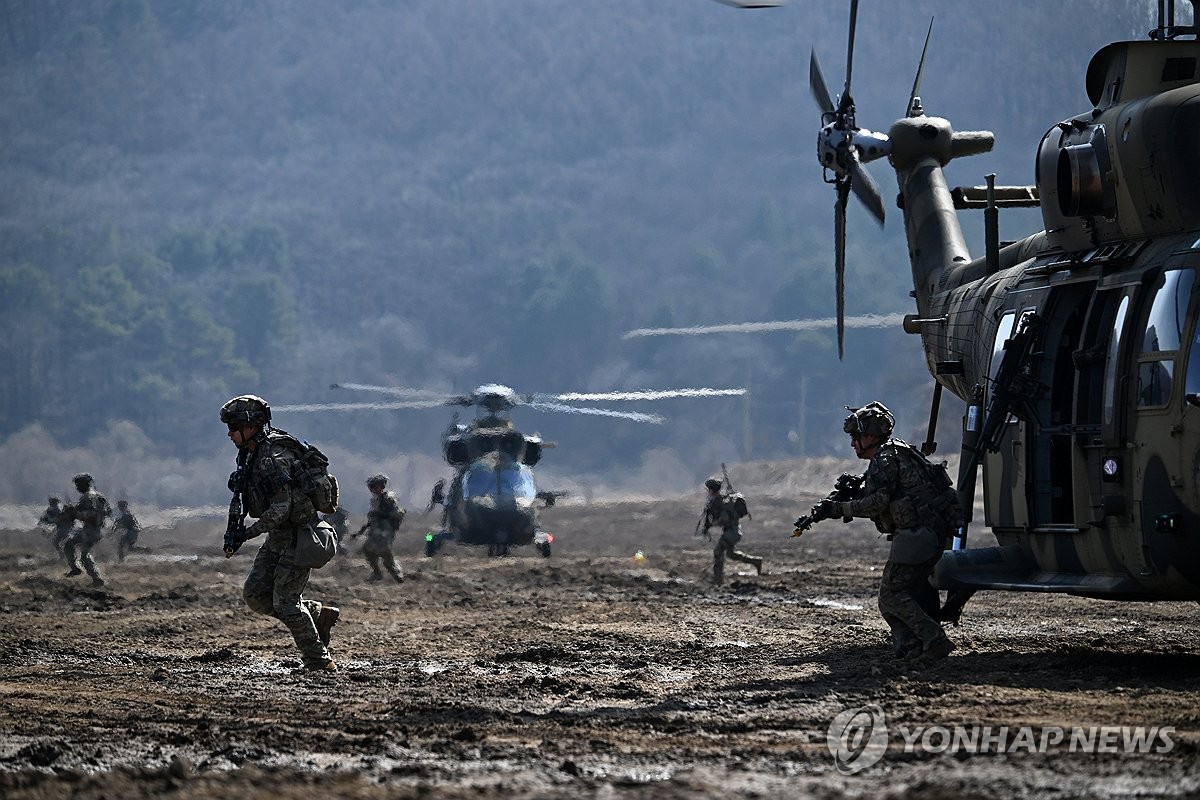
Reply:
x=827, y=509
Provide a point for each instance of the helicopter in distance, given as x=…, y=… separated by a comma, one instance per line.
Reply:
x=493, y=499
x=1076, y=349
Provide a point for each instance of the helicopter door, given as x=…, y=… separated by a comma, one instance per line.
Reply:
x=1098, y=427
x=1055, y=462
x=1167, y=427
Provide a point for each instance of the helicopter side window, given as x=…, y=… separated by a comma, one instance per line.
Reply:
x=1162, y=337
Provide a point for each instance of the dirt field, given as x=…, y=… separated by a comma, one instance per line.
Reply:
x=589, y=674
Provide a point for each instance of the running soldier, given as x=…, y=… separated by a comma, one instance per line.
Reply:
x=383, y=520
x=914, y=502
x=127, y=528
x=266, y=478
x=62, y=520
x=721, y=510
x=92, y=509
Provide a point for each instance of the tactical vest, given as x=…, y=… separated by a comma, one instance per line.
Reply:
x=926, y=495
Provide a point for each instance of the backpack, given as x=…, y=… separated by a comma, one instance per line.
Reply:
x=313, y=477
x=734, y=505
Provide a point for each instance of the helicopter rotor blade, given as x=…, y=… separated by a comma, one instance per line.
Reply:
x=396, y=391
x=839, y=267
x=846, y=101
x=754, y=3
x=914, y=100
x=859, y=321
x=652, y=394
x=864, y=186
x=816, y=83
x=636, y=416
x=306, y=407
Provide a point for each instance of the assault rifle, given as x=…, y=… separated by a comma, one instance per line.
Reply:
x=235, y=525
x=848, y=487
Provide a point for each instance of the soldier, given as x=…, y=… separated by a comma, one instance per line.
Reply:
x=719, y=510
x=383, y=520
x=91, y=510
x=126, y=523
x=62, y=518
x=914, y=502
x=339, y=519
x=267, y=479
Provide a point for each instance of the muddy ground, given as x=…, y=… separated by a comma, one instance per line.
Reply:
x=589, y=674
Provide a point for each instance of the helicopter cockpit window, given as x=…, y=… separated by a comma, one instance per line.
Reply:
x=1162, y=337
x=484, y=480
x=518, y=482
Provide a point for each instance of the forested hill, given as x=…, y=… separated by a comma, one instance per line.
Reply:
x=208, y=197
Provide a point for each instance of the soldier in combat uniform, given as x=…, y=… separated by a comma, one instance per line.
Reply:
x=62, y=519
x=126, y=525
x=383, y=520
x=91, y=510
x=266, y=474
x=913, y=501
x=718, y=511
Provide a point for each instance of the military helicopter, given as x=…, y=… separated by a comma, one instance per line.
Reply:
x=493, y=499
x=1076, y=349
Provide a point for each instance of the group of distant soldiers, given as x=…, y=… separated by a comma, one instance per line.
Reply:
x=91, y=511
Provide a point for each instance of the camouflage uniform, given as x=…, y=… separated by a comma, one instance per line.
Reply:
x=274, y=585
x=91, y=510
x=63, y=520
x=266, y=486
x=901, y=499
x=127, y=523
x=383, y=520
x=716, y=512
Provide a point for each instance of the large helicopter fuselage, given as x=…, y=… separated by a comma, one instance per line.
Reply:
x=1094, y=486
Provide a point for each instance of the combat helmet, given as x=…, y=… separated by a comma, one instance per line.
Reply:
x=873, y=419
x=713, y=485
x=53, y=500
x=377, y=480
x=84, y=478
x=246, y=409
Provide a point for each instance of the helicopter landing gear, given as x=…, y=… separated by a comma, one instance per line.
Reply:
x=542, y=541
x=434, y=542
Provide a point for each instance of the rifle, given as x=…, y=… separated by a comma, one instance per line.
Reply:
x=361, y=530
x=701, y=528
x=235, y=524
x=848, y=487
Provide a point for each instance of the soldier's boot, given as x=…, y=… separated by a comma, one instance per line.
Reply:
x=932, y=653
x=73, y=571
x=97, y=581
x=325, y=621
x=397, y=576
x=757, y=564
x=320, y=665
